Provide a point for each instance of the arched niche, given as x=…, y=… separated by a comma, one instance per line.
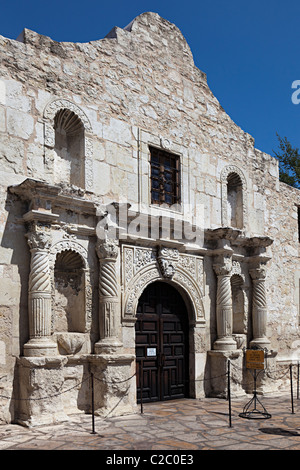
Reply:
x=234, y=198
x=69, y=293
x=69, y=148
x=69, y=262
x=68, y=144
x=239, y=310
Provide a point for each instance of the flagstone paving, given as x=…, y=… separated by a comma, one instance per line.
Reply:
x=179, y=425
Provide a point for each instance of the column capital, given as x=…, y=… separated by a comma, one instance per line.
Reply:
x=107, y=249
x=223, y=267
x=258, y=273
x=39, y=239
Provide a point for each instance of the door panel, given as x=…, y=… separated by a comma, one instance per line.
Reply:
x=161, y=344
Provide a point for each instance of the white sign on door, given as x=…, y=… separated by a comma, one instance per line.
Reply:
x=151, y=352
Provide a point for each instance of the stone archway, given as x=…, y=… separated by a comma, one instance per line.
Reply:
x=142, y=266
x=162, y=344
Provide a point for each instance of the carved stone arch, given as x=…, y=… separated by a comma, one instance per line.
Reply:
x=70, y=245
x=234, y=174
x=65, y=245
x=50, y=112
x=186, y=286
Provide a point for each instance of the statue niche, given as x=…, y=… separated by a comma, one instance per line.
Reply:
x=69, y=295
x=69, y=148
x=235, y=201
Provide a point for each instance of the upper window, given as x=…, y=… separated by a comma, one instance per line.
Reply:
x=165, y=177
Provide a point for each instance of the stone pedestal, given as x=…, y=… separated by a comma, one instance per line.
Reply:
x=218, y=373
x=41, y=381
x=114, y=384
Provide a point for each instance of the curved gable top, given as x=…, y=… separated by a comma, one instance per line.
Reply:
x=152, y=26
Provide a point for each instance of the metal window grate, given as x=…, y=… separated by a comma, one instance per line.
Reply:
x=165, y=177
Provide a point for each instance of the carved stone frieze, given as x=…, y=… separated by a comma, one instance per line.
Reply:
x=143, y=265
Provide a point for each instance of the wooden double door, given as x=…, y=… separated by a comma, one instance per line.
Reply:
x=162, y=344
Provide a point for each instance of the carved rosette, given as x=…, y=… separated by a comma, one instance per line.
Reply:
x=224, y=306
x=39, y=295
x=259, y=306
x=109, y=302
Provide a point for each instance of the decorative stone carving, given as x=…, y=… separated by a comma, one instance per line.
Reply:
x=49, y=135
x=224, y=340
x=223, y=177
x=165, y=143
x=56, y=105
x=107, y=249
x=259, y=307
x=167, y=260
x=141, y=267
x=109, y=301
x=69, y=242
x=39, y=296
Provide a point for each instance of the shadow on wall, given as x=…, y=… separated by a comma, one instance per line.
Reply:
x=15, y=264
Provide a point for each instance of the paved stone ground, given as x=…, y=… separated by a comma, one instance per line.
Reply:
x=180, y=425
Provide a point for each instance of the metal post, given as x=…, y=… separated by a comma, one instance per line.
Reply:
x=298, y=380
x=228, y=391
x=141, y=385
x=291, y=380
x=93, y=405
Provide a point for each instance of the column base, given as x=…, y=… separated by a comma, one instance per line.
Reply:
x=261, y=342
x=108, y=346
x=40, y=347
x=227, y=343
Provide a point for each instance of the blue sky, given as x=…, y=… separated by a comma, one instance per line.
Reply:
x=248, y=49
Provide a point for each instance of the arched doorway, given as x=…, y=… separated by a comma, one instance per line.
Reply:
x=162, y=350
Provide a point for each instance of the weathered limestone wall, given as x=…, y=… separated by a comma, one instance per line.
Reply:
x=281, y=219
x=144, y=78
x=139, y=85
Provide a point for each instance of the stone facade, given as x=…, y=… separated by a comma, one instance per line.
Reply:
x=78, y=250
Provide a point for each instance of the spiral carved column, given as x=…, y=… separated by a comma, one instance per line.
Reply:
x=39, y=297
x=224, y=340
x=109, y=301
x=259, y=307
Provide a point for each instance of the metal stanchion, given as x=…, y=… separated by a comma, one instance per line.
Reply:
x=93, y=405
x=141, y=386
x=298, y=380
x=291, y=381
x=228, y=391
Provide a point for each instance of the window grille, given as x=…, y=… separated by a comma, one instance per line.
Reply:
x=165, y=177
